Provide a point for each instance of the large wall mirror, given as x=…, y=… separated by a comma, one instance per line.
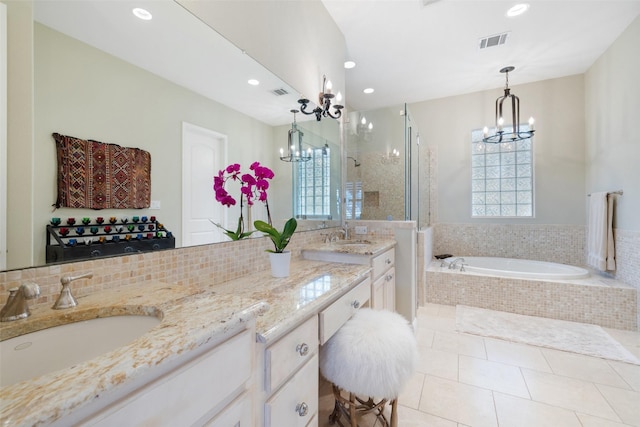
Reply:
x=101, y=73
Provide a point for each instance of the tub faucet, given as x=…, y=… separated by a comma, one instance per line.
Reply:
x=66, y=300
x=454, y=263
x=16, y=306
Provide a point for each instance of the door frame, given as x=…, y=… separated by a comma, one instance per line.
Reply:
x=189, y=128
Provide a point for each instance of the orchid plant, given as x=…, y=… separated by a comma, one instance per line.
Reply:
x=253, y=187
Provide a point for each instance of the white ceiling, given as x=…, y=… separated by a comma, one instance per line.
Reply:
x=176, y=46
x=409, y=52
x=406, y=51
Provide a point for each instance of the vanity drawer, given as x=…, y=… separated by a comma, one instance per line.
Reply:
x=237, y=414
x=382, y=262
x=290, y=352
x=334, y=316
x=295, y=404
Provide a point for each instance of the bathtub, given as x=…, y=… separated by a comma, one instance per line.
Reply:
x=521, y=268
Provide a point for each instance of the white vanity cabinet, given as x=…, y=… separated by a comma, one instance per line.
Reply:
x=213, y=389
x=291, y=363
x=383, y=273
x=383, y=276
x=291, y=377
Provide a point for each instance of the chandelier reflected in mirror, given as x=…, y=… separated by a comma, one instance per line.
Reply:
x=324, y=103
x=514, y=133
x=295, y=153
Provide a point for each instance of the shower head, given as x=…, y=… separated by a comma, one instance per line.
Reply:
x=355, y=162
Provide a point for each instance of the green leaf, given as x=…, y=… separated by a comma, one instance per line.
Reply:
x=280, y=240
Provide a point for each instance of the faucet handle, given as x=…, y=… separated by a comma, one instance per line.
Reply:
x=66, y=299
x=65, y=280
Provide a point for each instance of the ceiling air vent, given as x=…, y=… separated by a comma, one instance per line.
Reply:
x=495, y=40
x=279, y=92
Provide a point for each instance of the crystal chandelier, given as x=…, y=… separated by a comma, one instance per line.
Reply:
x=295, y=153
x=515, y=134
x=324, y=103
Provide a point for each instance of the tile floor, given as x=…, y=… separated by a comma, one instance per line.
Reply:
x=466, y=380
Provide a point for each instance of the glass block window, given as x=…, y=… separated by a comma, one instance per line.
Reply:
x=501, y=177
x=353, y=197
x=312, y=199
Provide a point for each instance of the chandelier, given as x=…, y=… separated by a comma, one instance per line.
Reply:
x=514, y=134
x=324, y=103
x=295, y=153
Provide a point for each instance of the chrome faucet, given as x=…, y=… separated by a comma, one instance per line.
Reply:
x=65, y=299
x=454, y=263
x=16, y=306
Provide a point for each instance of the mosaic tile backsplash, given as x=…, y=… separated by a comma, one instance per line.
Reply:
x=218, y=263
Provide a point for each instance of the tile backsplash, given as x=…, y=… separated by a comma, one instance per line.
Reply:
x=217, y=263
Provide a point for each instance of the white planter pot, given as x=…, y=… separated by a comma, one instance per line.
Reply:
x=280, y=263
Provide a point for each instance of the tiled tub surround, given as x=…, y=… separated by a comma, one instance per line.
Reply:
x=563, y=244
x=597, y=300
x=192, y=315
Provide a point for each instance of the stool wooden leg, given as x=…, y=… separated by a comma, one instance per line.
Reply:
x=394, y=413
x=352, y=410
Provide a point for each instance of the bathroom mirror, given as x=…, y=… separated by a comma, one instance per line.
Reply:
x=101, y=73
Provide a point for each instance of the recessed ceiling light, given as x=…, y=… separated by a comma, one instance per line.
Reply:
x=142, y=14
x=253, y=82
x=518, y=9
x=349, y=64
x=368, y=90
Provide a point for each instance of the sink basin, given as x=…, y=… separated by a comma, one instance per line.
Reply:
x=41, y=352
x=352, y=242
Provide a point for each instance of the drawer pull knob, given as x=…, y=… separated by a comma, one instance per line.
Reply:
x=389, y=277
x=388, y=260
x=303, y=349
x=302, y=409
x=355, y=304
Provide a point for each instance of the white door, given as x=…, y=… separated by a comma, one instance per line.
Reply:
x=203, y=155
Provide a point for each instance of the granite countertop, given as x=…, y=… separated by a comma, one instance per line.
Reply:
x=354, y=246
x=192, y=316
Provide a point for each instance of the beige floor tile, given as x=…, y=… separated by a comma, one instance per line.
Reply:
x=454, y=342
x=448, y=311
x=516, y=412
x=629, y=373
x=410, y=396
x=438, y=363
x=492, y=375
x=425, y=336
x=515, y=354
x=583, y=367
x=428, y=310
x=408, y=417
x=568, y=393
x=626, y=403
x=462, y=403
x=438, y=323
x=591, y=421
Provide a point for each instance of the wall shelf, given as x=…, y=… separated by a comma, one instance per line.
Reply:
x=75, y=246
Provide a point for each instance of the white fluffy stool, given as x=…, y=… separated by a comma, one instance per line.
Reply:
x=373, y=355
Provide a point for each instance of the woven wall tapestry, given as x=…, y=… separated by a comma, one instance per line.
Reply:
x=95, y=175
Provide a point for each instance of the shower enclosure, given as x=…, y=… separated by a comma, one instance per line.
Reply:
x=387, y=169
